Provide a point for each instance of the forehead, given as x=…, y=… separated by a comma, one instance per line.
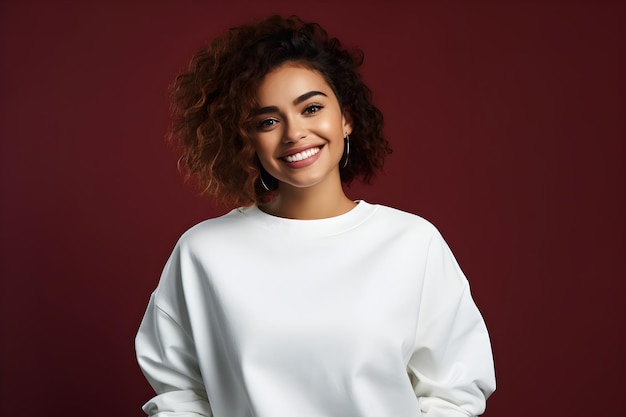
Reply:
x=289, y=81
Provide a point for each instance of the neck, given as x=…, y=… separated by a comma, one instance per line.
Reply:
x=309, y=203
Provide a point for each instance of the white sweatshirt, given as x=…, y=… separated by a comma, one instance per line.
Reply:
x=366, y=314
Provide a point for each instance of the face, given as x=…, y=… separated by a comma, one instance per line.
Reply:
x=299, y=128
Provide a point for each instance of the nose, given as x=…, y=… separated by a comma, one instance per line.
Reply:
x=294, y=131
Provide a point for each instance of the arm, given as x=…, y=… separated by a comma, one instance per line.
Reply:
x=167, y=357
x=452, y=365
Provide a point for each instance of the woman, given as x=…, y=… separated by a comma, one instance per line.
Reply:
x=302, y=302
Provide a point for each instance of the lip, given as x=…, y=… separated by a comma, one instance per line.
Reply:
x=305, y=162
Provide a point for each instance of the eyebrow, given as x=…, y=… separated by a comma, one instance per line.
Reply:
x=307, y=96
x=298, y=100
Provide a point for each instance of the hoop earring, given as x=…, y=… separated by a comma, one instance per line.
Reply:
x=263, y=182
x=269, y=183
x=346, y=151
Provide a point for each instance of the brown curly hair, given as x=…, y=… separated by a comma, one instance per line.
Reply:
x=214, y=100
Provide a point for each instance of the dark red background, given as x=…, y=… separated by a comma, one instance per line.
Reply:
x=507, y=122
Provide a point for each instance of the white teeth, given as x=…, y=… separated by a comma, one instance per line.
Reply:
x=302, y=155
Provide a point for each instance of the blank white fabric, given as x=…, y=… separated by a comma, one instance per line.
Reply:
x=366, y=314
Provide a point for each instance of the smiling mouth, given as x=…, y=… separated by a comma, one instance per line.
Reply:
x=300, y=156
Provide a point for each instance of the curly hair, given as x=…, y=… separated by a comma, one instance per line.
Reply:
x=213, y=103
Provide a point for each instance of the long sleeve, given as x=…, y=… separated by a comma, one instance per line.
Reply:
x=452, y=365
x=166, y=355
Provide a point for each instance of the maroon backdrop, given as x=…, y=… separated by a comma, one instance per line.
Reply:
x=508, y=128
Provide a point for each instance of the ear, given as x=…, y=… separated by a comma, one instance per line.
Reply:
x=346, y=120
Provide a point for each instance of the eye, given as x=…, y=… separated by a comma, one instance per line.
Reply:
x=313, y=108
x=267, y=123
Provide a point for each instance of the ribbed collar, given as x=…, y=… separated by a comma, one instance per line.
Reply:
x=318, y=227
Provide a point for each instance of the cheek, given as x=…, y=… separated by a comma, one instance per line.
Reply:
x=330, y=128
x=264, y=148
x=260, y=144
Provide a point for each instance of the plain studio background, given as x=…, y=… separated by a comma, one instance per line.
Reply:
x=508, y=128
